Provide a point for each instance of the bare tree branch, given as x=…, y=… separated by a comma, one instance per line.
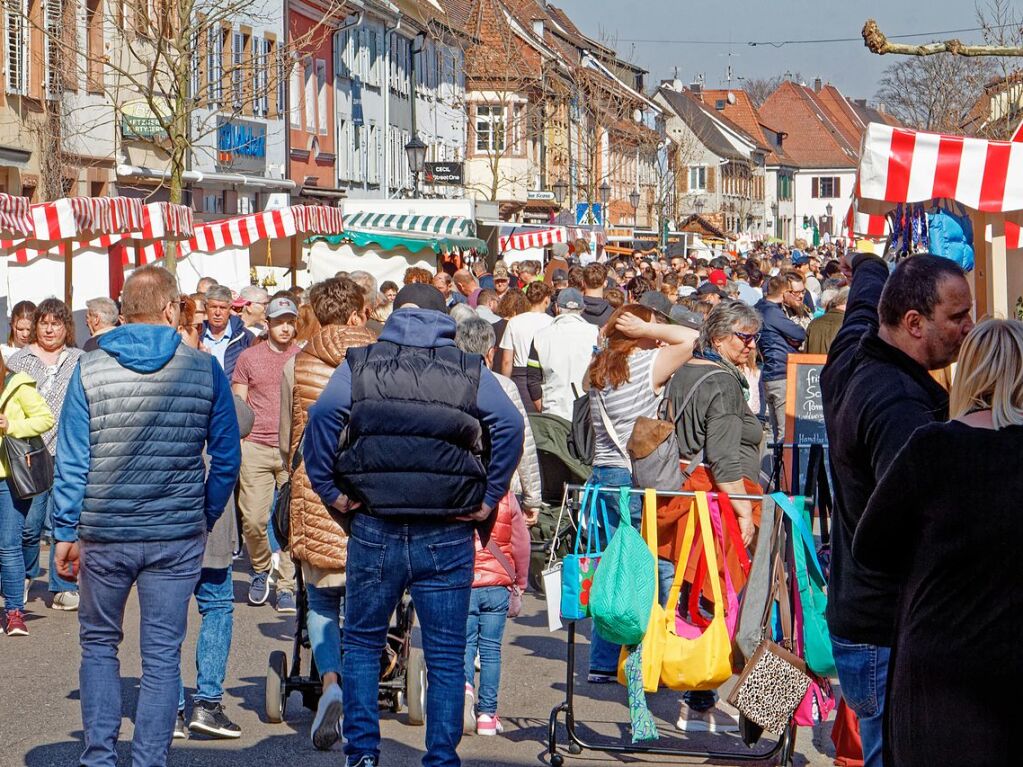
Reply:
x=876, y=42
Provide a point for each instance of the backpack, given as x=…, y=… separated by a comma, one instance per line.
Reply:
x=653, y=445
x=580, y=436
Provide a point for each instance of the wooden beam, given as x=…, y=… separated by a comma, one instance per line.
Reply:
x=981, y=265
x=296, y=245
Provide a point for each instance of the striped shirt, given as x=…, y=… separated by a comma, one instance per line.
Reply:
x=633, y=399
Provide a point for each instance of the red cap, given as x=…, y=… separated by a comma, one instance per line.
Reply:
x=717, y=277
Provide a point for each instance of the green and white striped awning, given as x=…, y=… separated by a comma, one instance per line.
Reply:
x=442, y=225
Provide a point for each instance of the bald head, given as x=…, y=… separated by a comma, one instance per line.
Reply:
x=150, y=296
x=465, y=282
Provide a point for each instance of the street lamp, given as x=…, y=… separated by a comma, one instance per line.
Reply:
x=698, y=205
x=605, y=193
x=416, y=151
x=560, y=190
x=829, y=210
x=634, y=202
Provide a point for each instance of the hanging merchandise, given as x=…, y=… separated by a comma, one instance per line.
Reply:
x=759, y=587
x=694, y=620
x=625, y=585
x=577, y=569
x=951, y=233
x=703, y=662
x=810, y=579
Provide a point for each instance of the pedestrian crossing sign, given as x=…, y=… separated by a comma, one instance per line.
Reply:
x=589, y=215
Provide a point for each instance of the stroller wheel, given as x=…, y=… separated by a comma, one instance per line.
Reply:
x=398, y=701
x=275, y=698
x=415, y=686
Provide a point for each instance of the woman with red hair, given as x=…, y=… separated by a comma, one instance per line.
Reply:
x=639, y=353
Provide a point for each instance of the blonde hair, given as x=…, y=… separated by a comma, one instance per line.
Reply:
x=990, y=373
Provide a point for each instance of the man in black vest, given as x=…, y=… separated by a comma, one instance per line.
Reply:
x=428, y=445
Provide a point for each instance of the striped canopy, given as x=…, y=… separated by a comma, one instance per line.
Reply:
x=454, y=226
x=242, y=231
x=15, y=219
x=536, y=238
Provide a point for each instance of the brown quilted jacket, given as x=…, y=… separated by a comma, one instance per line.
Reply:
x=315, y=537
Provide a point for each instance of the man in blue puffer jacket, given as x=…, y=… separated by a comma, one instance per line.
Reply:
x=779, y=337
x=132, y=491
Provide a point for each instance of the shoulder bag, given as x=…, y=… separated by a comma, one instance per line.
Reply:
x=760, y=585
x=578, y=569
x=653, y=445
x=30, y=465
x=280, y=519
x=625, y=584
x=703, y=662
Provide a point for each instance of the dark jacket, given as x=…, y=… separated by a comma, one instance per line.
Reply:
x=779, y=337
x=241, y=339
x=417, y=336
x=136, y=418
x=875, y=397
x=596, y=311
x=822, y=332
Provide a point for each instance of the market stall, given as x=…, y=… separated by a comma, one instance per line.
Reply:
x=388, y=244
x=900, y=167
x=230, y=249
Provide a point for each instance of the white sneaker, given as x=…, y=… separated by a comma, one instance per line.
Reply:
x=469, y=712
x=325, y=732
x=66, y=601
x=488, y=725
x=711, y=720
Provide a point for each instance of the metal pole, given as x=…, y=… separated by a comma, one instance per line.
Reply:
x=667, y=493
x=65, y=246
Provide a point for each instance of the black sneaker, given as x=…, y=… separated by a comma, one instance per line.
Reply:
x=209, y=719
x=180, y=731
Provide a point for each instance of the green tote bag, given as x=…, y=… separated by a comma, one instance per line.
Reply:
x=625, y=585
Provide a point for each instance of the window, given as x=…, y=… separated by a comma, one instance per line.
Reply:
x=489, y=128
x=215, y=63
x=310, y=96
x=54, y=36
x=698, y=178
x=260, y=77
x=321, y=97
x=282, y=70
x=826, y=187
x=518, y=129
x=296, y=98
x=238, y=44
x=17, y=42
x=94, y=45
x=372, y=151
x=784, y=186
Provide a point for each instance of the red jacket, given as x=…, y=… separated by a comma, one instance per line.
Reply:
x=511, y=536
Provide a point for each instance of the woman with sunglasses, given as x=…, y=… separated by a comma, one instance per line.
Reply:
x=717, y=430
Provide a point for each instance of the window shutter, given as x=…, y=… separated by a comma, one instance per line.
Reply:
x=816, y=190
x=712, y=185
x=838, y=187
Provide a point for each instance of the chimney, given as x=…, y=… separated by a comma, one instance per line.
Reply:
x=697, y=88
x=538, y=28
x=860, y=102
x=817, y=85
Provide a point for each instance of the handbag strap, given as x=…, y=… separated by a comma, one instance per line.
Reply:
x=707, y=539
x=606, y=421
x=732, y=524
x=649, y=526
x=799, y=524
x=583, y=511
x=494, y=549
x=817, y=489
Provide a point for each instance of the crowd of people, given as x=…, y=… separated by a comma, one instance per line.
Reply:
x=401, y=417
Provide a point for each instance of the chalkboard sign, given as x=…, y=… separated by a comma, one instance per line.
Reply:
x=804, y=411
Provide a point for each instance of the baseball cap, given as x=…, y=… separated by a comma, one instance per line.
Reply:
x=656, y=300
x=423, y=296
x=500, y=274
x=708, y=289
x=570, y=298
x=799, y=258
x=280, y=307
x=717, y=277
x=559, y=275
x=682, y=316
x=250, y=294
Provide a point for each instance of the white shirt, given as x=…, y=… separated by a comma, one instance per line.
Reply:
x=518, y=335
x=564, y=350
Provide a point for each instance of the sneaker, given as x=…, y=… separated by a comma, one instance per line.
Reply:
x=16, y=624
x=209, y=719
x=488, y=724
x=362, y=761
x=66, y=601
x=180, y=731
x=259, y=589
x=325, y=732
x=712, y=719
x=286, y=602
x=601, y=677
x=469, y=712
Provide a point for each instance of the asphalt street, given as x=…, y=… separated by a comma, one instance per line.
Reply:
x=40, y=721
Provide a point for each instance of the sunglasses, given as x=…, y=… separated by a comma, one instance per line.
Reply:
x=747, y=338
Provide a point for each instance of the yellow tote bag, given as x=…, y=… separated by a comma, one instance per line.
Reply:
x=653, y=640
x=703, y=663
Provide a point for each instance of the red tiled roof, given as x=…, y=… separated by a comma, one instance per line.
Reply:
x=841, y=113
x=813, y=140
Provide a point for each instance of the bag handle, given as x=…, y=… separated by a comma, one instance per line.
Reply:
x=732, y=524
x=649, y=526
x=799, y=524
x=624, y=512
x=502, y=560
x=707, y=540
x=584, y=510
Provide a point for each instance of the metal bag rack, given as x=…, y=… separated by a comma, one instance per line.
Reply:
x=784, y=746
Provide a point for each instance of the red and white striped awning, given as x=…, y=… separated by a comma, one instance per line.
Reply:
x=537, y=238
x=15, y=219
x=900, y=165
x=108, y=220
x=242, y=231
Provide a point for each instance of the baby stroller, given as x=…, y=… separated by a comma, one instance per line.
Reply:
x=402, y=667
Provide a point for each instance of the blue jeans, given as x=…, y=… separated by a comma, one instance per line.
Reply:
x=214, y=594
x=40, y=515
x=326, y=613
x=12, y=561
x=863, y=674
x=604, y=654
x=484, y=631
x=166, y=573
x=434, y=560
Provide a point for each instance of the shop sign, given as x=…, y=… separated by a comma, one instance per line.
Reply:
x=539, y=194
x=241, y=146
x=444, y=173
x=138, y=121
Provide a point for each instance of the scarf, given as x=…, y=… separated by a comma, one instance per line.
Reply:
x=712, y=356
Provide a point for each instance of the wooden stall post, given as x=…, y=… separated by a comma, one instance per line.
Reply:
x=67, y=250
x=990, y=280
x=295, y=245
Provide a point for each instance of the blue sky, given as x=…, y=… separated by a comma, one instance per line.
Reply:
x=848, y=65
